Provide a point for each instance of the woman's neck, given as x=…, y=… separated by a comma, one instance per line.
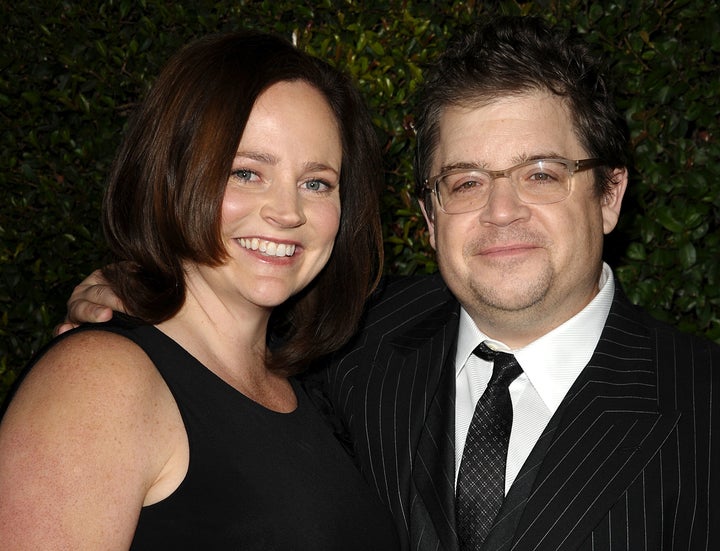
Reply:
x=230, y=342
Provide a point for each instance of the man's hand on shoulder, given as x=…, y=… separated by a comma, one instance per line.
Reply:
x=93, y=300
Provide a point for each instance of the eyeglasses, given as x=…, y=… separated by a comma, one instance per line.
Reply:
x=537, y=182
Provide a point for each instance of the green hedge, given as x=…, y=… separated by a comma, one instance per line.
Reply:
x=73, y=71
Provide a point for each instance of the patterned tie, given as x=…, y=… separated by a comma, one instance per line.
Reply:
x=481, y=480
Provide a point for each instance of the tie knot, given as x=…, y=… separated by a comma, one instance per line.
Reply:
x=485, y=352
x=505, y=367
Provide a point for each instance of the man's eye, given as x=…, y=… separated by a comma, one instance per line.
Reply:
x=542, y=177
x=467, y=183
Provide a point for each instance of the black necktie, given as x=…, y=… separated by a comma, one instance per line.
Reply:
x=481, y=480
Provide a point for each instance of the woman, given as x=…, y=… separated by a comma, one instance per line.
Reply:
x=182, y=428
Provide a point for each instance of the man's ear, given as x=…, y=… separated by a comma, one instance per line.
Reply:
x=429, y=214
x=612, y=200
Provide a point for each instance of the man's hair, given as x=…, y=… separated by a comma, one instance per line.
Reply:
x=511, y=56
x=164, y=197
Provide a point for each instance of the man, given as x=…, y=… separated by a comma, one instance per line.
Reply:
x=521, y=170
x=614, y=432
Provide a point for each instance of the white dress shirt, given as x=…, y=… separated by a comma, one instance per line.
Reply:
x=550, y=366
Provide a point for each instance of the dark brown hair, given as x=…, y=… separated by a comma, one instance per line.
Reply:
x=163, y=202
x=509, y=56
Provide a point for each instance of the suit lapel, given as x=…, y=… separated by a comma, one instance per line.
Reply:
x=606, y=430
x=432, y=492
x=503, y=532
x=433, y=473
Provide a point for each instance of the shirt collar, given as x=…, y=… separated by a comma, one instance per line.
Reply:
x=552, y=362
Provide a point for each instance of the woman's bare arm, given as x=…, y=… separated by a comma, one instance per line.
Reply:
x=84, y=441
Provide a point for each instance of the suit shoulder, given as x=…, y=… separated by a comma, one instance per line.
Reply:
x=697, y=352
x=673, y=340
x=686, y=362
x=405, y=296
x=401, y=305
x=667, y=336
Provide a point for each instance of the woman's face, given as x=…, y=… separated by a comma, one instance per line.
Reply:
x=281, y=209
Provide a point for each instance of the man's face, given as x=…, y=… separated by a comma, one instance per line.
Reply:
x=519, y=269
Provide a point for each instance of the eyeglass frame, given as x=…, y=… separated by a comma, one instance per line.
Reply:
x=572, y=165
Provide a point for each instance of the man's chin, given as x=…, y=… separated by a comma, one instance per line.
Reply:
x=510, y=295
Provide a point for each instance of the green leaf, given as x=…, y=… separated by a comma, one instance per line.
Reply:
x=666, y=218
x=636, y=251
x=687, y=255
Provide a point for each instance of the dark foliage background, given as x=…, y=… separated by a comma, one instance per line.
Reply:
x=71, y=72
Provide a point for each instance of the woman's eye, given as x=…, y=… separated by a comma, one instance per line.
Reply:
x=316, y=185
x=244, y=174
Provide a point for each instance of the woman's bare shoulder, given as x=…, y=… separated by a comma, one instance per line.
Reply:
x=89, y=360
x=92, y=405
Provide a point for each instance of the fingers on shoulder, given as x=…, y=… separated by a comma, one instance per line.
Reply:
x=92, y=300
x=92, y=304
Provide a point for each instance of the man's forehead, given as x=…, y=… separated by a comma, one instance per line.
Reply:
x=515, y=129
x=539, y=103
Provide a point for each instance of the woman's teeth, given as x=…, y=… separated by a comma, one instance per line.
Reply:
x=269, y=248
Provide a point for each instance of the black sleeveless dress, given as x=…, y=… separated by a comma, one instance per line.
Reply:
x=257, y=479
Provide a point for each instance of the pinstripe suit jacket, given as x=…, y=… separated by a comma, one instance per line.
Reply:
x=631, y=460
